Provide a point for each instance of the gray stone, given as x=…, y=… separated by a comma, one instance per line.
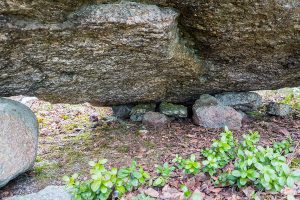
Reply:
x=206, y=100
x=122, y=111
x=209, y=113
x=138, y=111
x=49, y=193
x=173, y=110
x=121, y=52
x=155, y=119
x=18, y=139
x=278, y=109
x=244, y=101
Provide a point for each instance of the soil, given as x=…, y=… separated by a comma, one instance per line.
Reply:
x=72, y=135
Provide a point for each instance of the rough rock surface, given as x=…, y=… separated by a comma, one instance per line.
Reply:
x=122, y=111
x=137, y=113
x=155, y=120
x=18, y=139
x=116, y=53
x=49, y=193
x=244, y=101
x=173, y=110
x=278, y=109
x=207, y=112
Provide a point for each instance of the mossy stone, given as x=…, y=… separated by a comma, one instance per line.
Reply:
x=173, y=110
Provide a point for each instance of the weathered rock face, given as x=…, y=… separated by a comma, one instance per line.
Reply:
x=114, y=53
x=49, y=193
x=244, y=101
x=155, y=120
x=18, y=139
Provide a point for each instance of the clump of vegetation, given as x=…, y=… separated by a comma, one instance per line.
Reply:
x=292, y=100
x=220, y=154
x=164, y=173
x=186, y=192
x=228, y=161
x=190, y=165
x=263, y=167
x=284, y=147
x=104, y=183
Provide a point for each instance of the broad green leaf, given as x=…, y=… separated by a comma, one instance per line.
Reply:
x=236, y=173
x=137, y=174
x=103, y=189
x=135, y=182
x=158, y=181
x=290, y=181
x=267, y=177
x=95, y=186
x=114, y=171
x=296, y=173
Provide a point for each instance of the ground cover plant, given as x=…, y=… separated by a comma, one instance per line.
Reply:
x=250, y=164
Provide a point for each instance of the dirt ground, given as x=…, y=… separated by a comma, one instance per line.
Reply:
x=69, y=140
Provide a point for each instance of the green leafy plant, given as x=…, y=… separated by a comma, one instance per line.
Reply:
x=164, y=173
x=284, y=147
x=133, y=177
x=292, y=100
x=263, y=167
x=220, y=154
x=104, y=183
x=190, y=165
x=142, y=197
x=186, y=192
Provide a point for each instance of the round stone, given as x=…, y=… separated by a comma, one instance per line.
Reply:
x=18, y=139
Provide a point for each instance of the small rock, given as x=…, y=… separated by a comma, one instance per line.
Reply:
x=122, y=111
x=173, y=110
x=152, y=193
x=154, y=119
x=206, y=100
x=207, y=112
x=138, y=111
x=18, y=139
x=169, y=193
x=49, y=193
x=244, y=101
x=278, y=109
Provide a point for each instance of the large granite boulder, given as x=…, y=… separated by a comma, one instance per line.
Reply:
x=113, y=52
x=18, y=139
